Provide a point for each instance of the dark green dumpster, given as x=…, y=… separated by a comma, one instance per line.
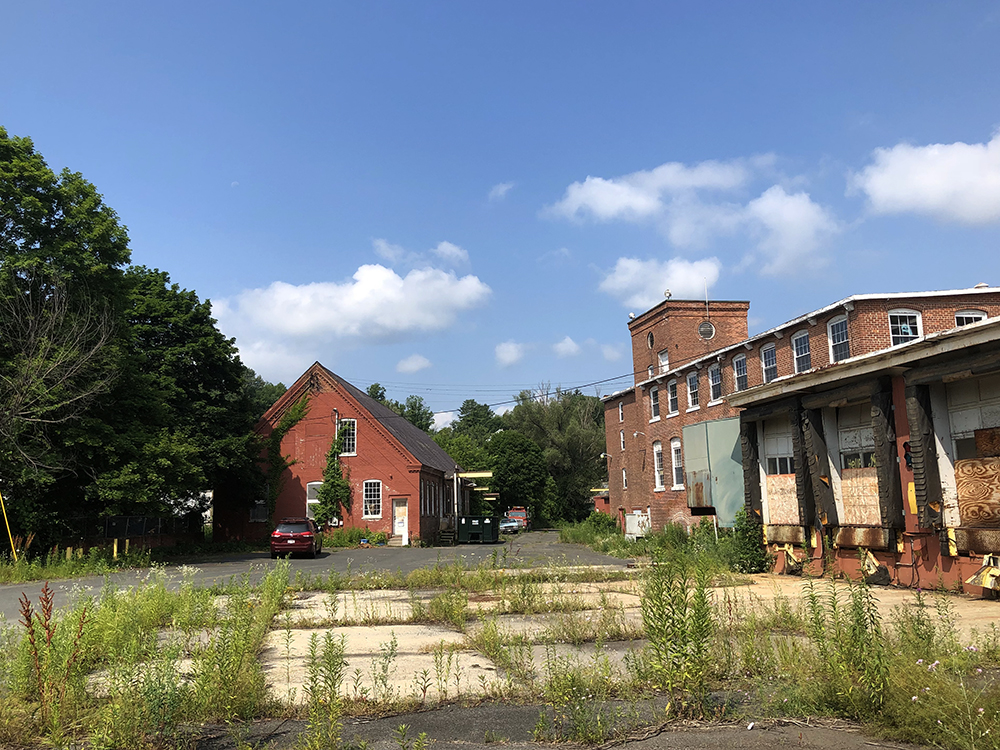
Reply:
x=485, y=529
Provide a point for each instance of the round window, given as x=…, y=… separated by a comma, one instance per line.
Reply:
x=706, y=330
x=649, y=340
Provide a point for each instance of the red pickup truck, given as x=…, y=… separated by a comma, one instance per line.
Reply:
x=519, y=514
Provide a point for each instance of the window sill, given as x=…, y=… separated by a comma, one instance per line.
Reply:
x=672, y=414
x=654, y=419
x=677, y=487
x=371, y=518
x=714, y=403
x=346, y=455
x=659, y=489
x=692, y=408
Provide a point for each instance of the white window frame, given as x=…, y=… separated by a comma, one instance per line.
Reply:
x=654, y=404
x=312, y=490
x=673, y=401
x=830, y=336
x=650, y=372
x=352, y=436
x=713, y=382
x=694, y=400
x=677, y=464
x=621, y=411
x=798, y=356
x=737, y=361
x=650, y=340
x=905, y=338
x=658, y=466
x=369, y=497
x=768, y=372
x=624, y=479
x=974, y=316
x=663, y=360
x=621, y=435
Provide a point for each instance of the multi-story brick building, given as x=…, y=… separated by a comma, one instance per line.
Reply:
x=674, y=438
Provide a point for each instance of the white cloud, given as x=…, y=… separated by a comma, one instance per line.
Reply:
x=566, y=348
x=500, y=190
x=413, y=363
x=792, y=229
x=388, y=251
x=640, y=194
x=444, y=418
x=611, y=353
x=377, y=303
x=509, y=353
x=689, y=206
x=641, y=283
x=950, y=181
x=451, y=253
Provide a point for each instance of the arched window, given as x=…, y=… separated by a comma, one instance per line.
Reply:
x=800, y=349
x=769, y=362
x=904, y=325
x=658, y=465
x=621, y=435
x=966, y=317
x=672, y=400
x=677, y=460
x=621, y=411
x=692, y=380
x=740, y=372
x=840, y=347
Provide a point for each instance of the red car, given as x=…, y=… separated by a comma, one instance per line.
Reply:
x=296, y=535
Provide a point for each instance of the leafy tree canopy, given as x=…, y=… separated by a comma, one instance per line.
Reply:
x=519, y=473
x=413, y=410
x=569, y=428
x=476, y=420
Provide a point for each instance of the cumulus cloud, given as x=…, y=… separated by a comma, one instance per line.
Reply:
x=444, y=418
x=566, y=348
x=641, y=283
x=500, y=190
x=692, y=207
x=413, y=363
x=509, y=353
x=641, y=194
x=376, y=303
x=950, y=181
x=611, y=353
x=791, y=229
x=451, y=253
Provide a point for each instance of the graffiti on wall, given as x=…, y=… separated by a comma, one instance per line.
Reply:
x=978, y=481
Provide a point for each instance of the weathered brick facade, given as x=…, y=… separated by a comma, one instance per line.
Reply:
x=668, y=348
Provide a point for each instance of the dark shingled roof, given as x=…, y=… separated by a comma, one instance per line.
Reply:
x=415, y=440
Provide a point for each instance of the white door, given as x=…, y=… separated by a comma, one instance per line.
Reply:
x=399, y=527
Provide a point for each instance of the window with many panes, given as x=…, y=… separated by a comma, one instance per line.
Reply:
x=654, y=403
x=658, y=465
x=740, y=371
x=780, y=465
x=692, y=390
x=672, y=401
x=769, y=362
x=372, y=496
x=800, y=348
x=840, y=348
x=715, y=382
x=966, y=317
x=677, y=459
x=349, y=433
x=904, y=325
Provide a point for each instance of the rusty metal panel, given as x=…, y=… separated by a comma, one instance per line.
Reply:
x=786, y=534
x=871, y=537
x=977, y=540
x=699, y=489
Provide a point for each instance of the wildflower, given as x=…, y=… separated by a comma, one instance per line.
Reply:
x=971, y=648
x=920, y=661
x=913, y=699
x=981, y=710
x=933, y=666
x=979, y=670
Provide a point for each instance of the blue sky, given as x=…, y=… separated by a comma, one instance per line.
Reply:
x=462, y=200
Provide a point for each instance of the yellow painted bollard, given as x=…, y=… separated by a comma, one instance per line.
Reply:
x=114, y=550
x=69, y=554
x=126, y=546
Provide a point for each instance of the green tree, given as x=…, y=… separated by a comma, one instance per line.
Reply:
x=414, y=410
x=519, y=473
x=465, y=451
x=569, y=428
x=260, y=393
x=335, y=494
x=476, y=420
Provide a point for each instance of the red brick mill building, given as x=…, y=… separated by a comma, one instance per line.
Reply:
x=871, y=426
x=402, y=482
